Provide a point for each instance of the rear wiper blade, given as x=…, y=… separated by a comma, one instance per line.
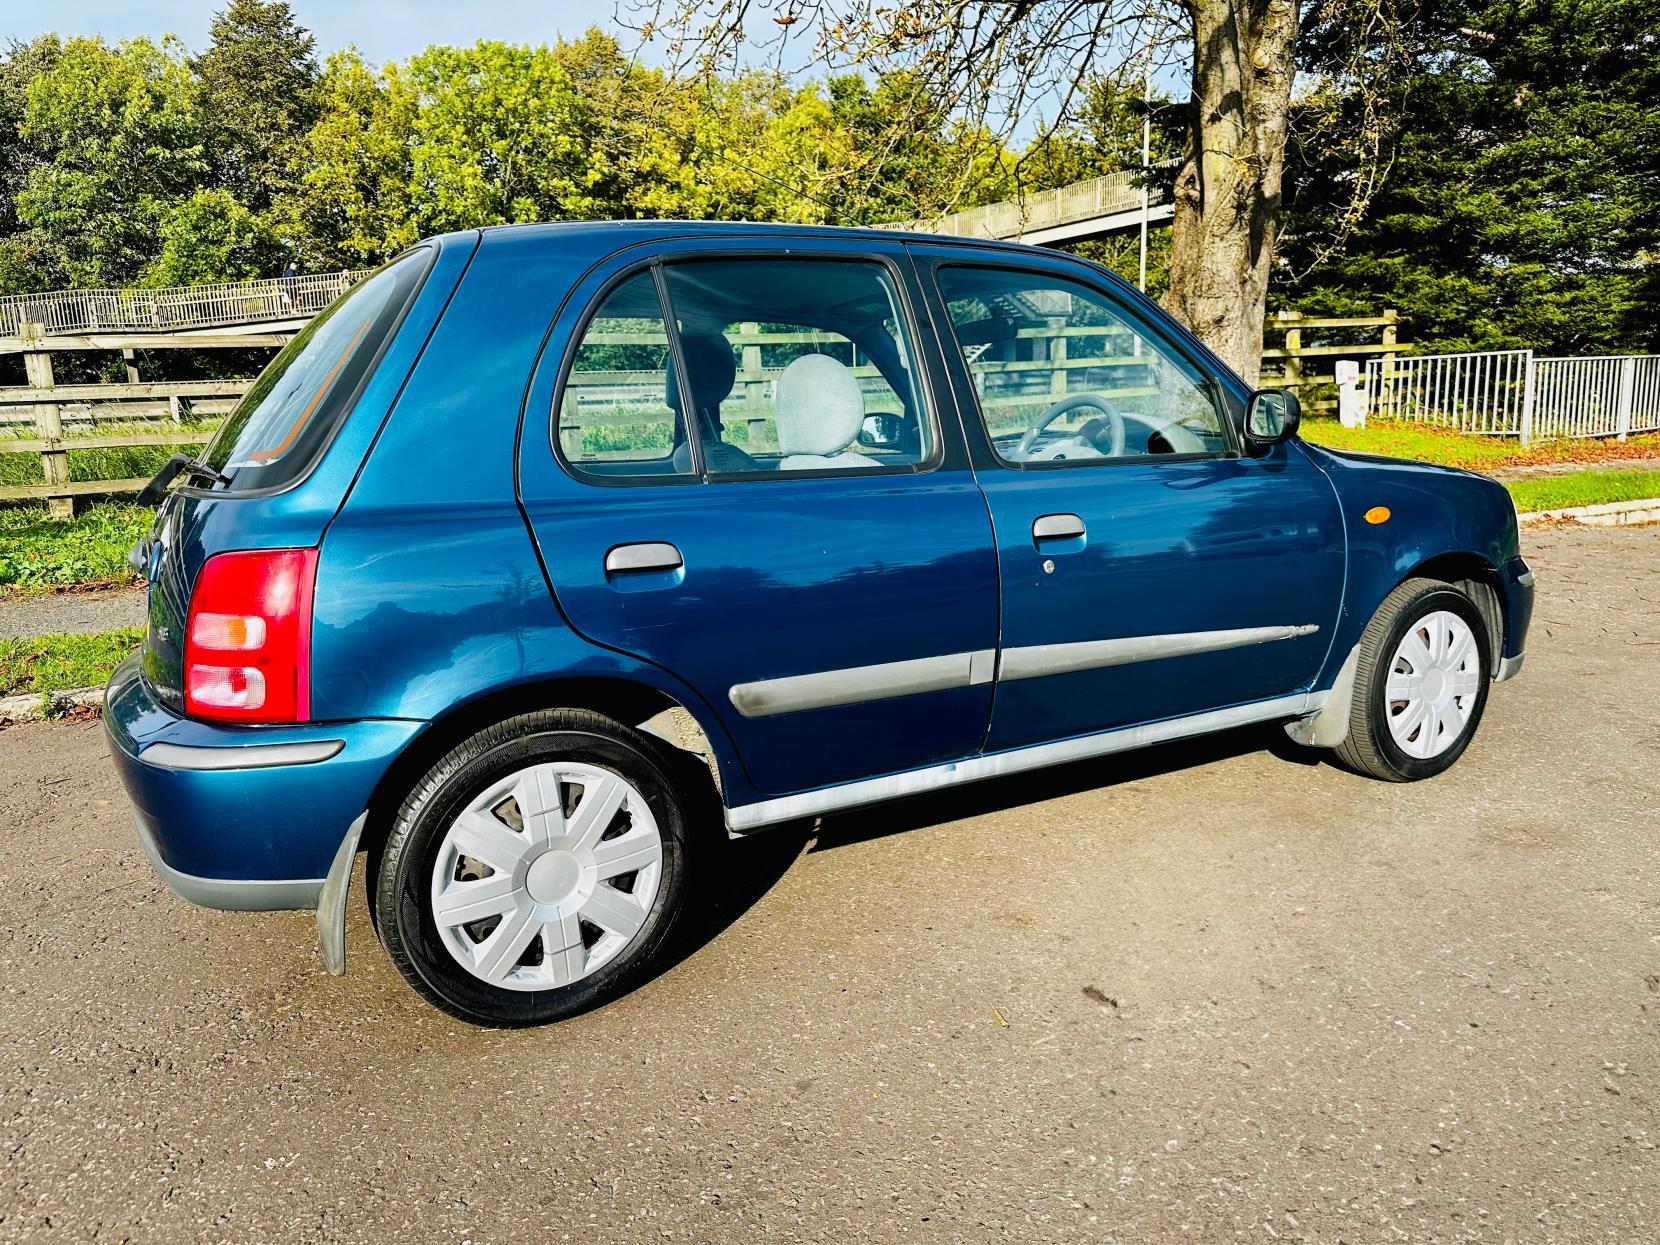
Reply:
x=180, y=463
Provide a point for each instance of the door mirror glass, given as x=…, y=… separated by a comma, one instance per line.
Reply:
x=882, y=431
x=1273, y=416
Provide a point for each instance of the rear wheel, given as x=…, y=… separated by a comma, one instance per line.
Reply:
x=535, y=871
x=1420, y=683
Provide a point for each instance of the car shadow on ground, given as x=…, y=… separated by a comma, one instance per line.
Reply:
x=999, y=794
x=736, y=874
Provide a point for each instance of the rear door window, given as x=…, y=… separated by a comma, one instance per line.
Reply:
x=281, y=425
x=798, y=365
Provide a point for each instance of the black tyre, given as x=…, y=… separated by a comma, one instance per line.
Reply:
x=535, y=871
x=1420, y=683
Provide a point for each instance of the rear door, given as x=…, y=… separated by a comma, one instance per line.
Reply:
x=1150, y=570
x=702, y=499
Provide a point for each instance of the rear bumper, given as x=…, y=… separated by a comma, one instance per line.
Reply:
x=243, y=817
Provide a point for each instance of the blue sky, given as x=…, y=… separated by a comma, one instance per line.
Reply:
x=382, y=29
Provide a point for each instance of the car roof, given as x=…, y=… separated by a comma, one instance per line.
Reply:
x=630, y=232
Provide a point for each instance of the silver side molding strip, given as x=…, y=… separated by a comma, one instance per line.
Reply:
x=861, y=683
x=856, y=684
x=1039, y=660
x=748, y=817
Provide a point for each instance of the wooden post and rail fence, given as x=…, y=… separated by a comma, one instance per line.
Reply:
x=66, y=418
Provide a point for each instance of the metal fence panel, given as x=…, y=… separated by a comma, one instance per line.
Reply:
x=1484, y=393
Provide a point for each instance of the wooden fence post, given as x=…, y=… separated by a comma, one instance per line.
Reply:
x=1058, y=375
x=755, y=384
x=1293, y=344
x=54, y=459
x=130, y=358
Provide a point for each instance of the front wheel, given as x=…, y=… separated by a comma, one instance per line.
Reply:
x=535, y=870
x=1420, y=683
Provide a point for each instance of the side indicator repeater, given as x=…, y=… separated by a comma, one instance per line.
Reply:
x=1377, y=514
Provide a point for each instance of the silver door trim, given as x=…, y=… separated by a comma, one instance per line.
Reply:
x=1037, y=660
x=828, y=688
x=748, y=817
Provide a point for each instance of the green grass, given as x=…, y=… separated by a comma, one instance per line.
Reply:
x=57, y=663
x=1456, y=449
x=1583, y=488
x=1430, y=445
x=38, y=551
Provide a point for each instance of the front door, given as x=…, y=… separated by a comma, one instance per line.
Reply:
x=1149, y=569
x=719, y=501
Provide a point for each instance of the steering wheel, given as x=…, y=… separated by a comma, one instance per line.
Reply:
x=1110, y=426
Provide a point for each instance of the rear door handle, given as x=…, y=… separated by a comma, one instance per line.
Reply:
x=654, y=555
x=1057, y=527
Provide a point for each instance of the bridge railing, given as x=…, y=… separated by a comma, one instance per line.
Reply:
x=180, y=307
x=1099, y=196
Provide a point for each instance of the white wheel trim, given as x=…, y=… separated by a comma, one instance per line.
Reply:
x=549, y=878
x=1431, y=685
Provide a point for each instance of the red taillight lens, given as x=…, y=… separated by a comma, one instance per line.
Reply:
x=247, y=647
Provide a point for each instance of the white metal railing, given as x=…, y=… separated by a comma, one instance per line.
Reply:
x=179, y=307
x=1604, y=396
x=1513, y=393
x=1484, y=392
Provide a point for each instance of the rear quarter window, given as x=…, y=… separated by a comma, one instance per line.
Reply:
x=285, y=420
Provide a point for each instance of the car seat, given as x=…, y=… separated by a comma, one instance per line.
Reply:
x=820, y=410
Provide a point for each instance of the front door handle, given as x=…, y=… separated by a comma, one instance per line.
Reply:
x=1057, y=527
x=653, y=555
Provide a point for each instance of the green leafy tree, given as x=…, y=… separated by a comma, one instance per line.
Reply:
x=351, y=201
x=1522, y=204
x=258, y=96
x=28, y=259
x=498, y=138
x=212, y=236
x=119, y=135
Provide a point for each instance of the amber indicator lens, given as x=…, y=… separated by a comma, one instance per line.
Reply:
x=1378, y=514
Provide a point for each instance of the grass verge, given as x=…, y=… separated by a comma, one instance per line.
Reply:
x=1457, y=449
x=56, y=663
x=1583, y=488
x=38, y=551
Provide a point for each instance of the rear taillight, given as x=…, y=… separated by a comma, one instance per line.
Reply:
x=247, y=648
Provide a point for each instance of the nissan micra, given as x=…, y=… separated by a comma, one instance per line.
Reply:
x=547, y=544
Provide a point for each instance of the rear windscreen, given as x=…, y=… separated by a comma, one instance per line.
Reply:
x=281, y=425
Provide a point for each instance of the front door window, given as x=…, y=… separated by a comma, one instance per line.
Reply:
x=1063, y=377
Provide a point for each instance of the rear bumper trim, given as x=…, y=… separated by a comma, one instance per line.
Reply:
x=245, y=756
x=230, y=894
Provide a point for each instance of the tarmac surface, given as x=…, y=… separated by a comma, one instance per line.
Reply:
x=1205, y=993
x=43, y=613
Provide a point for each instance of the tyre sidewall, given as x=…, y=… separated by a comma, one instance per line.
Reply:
x=1453, y=602
x=406, y=890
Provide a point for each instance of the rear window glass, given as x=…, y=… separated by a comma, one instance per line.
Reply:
x=283, y=422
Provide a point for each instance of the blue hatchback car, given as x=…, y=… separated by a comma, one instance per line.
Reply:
x=544, y=537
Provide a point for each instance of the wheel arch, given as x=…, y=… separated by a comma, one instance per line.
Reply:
x=629, y=701
x=1479, y=579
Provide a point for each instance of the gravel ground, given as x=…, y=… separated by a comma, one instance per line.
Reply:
x=1201, y=994
x=44, y=613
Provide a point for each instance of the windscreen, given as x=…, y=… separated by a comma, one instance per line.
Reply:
x=281, y=425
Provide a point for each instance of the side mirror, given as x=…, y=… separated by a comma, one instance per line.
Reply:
x=1272, y=417
x=882, y=432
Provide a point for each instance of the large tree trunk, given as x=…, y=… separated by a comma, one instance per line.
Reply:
x=1228, y=189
